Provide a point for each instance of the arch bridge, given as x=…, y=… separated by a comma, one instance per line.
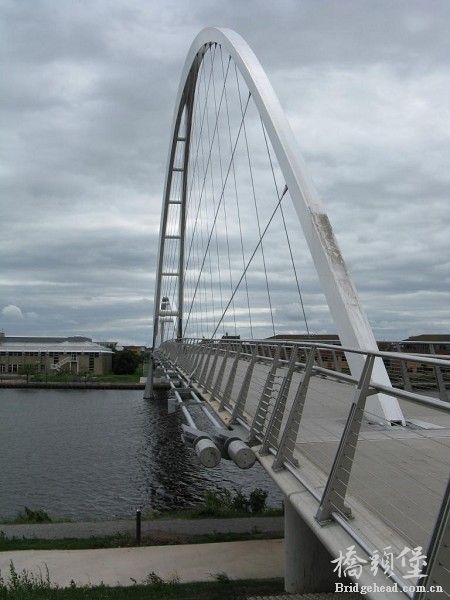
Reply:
x=357, y=439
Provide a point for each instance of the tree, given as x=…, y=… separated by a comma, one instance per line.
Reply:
x=124, y=362
x=27, y=370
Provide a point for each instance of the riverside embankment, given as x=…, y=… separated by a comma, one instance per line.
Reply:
x=156, y=527
x=74, y=385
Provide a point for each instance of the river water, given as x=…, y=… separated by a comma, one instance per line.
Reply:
x=84, y=454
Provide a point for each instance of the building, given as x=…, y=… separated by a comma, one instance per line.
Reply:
x=136, y=349
x=427, y=343
x=335, y=359
x=74, y=354
x=327, y=358
x=110, y=345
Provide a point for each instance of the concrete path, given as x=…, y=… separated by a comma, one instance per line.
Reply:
x=48, y=531
x=255, y=559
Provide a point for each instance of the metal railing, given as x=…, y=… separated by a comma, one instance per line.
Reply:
x=287, y=396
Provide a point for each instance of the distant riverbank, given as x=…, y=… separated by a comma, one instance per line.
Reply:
x=75, y=385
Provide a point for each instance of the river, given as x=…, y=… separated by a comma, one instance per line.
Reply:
x=85, y=454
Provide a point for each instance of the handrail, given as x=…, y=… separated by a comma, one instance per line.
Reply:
x=425, y=359
x=374, y=387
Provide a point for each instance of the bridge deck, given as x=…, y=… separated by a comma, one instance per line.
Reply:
x=399, y=474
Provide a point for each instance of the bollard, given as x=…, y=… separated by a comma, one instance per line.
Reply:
x=138, y=527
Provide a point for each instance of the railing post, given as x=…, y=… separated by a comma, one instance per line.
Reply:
x=335, y=361
x=218, y=383
x=319, y=358
x=239, y=407
x=198, y=355
x=259, y=419
x=212, y=370
x=435, y=570
x=336, y=488
x=404, y=370
x=439, y=378
x=205, y=364
x=230, y=381
x=289, y=437
x=274, y=425
x=184, y=355
x=191, y=356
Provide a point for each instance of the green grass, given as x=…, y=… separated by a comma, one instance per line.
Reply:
x=224, y=504
x=199, y=512
x=32, y=516
x=219, y=504
x=112, y=378
x=124, y=540
x=26, y=586
x=67, y=377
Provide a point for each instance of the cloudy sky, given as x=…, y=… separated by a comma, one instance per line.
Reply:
x=87, y=93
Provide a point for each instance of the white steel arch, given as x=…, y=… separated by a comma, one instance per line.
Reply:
x=345, y=306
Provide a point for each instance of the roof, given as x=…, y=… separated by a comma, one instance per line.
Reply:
x=65, y=346
x=429, y=337
x=305, y=337
x=38, y=339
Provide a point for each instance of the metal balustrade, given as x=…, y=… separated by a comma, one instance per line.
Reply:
x=301, y=405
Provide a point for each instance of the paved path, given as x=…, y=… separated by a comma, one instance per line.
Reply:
x=48, y=531
x=255, y=559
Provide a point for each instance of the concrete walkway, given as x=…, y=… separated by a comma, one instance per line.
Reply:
x=255, y=559
x=49, y=531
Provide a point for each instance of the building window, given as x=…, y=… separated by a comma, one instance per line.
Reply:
x=12, y=368
x=73, y=356
x=56, y=359
x=91, y=362
x=2, y=368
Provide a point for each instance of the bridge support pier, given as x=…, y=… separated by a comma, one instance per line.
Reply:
x=307, y=562
x=148, y=392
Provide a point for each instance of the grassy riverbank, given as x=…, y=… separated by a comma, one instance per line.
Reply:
x=23, y=586
x=68, y=377
x=219, y=504
x=127, y=540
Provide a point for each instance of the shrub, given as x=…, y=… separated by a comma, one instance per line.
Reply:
x=215, y=504
x=124, y=362
x=240, y=502
x=33, y=516
x=257, y=500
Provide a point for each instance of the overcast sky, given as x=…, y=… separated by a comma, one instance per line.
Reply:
x=86, y=103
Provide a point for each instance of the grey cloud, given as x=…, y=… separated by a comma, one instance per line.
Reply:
x=86, y=112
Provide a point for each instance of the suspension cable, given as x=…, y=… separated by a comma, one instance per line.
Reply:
x=251, y=257
x=220, y=201
x=286, y=232
x=237, y=207
x=256, y=207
